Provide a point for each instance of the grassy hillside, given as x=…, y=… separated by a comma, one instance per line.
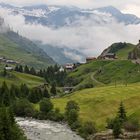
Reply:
x=121, y=50
x=83, y=76
x=13, y=46
x=121, y=71
x=101, y=73
x=98, y=104
x=19, y=78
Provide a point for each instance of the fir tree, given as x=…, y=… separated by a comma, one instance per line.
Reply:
x=122, y=113
x=53, y=89
x=32, y=71
x=117, y=128
x=20, y=68
x=26, y=69
x=46, y=93
x=4, y=72
x=24, y=90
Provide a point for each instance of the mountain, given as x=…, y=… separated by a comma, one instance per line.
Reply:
x=62, y=55
x=120, y=49
x=59, y=16
x=20, y=49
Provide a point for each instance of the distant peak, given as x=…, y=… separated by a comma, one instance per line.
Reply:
x=109, y=9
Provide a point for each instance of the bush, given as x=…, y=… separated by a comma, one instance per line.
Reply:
x=57, y=116
x=46, y=105
x=87, y=129
x=72, y=116
x=132, y=126
x=22, y=108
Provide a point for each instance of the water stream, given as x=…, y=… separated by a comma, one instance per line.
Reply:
x=46, y=130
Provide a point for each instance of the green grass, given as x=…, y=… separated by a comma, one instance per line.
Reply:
x=22, y=50
x=98, y=104
x=101, y=72
x=19, y=78
x=121, y=71
x=81, y=77
x=123, y=53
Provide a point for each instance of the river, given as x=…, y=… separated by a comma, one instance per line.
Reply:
x=46, y=130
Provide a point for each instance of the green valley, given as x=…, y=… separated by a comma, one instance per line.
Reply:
x=98, y=104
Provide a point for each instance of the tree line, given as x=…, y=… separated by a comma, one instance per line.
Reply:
x=9, y=94
x=52, y=74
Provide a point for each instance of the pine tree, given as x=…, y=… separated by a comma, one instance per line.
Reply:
x=122, y=113
x=20, y=68
x=46, y=93
x=32, y=71
x=24, y=90
x=26, y=69
x=17, y=68
x=117, y=128
x=5, y=95
x=4, y=72
x=53, y=89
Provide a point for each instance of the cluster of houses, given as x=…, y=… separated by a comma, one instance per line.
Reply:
x=8, y=61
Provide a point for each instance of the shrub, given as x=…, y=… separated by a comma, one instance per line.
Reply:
x=87, y=129
x=46, y=105
x=22, y=108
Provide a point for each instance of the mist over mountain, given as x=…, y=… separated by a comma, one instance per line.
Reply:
x=58, y=16
x=70, y=29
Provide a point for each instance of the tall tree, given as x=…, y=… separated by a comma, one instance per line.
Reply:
x=53, y=89
x=122, y=113
x=46, y=93
x=26, y=69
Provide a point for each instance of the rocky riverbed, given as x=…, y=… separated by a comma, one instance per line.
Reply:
x=46, y=130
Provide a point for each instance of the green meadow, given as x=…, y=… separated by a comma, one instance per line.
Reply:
x=98, y=104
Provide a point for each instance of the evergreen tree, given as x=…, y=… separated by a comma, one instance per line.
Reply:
x=4, y=72
x=15, y=91
x=26, y=69
x=46, y=93
x=53, y=89
x=20, y=68
x=32, y=71
x=117, y=128
x=24, y=90
x=35, y=95
x=122, y=113
x=5, y=95
x=17, y=68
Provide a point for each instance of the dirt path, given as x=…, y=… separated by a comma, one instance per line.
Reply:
x=95, y=80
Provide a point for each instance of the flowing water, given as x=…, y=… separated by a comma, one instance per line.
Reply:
x=46, y=130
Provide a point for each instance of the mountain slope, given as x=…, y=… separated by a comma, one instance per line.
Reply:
x=62, y=55
x=22, y=78
x=101, y=73
x=13, y=46
x=120, y=49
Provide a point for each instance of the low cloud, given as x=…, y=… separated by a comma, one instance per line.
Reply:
x=89, y=37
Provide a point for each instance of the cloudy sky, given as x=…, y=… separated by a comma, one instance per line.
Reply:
x=89, y=38
x=132, y=6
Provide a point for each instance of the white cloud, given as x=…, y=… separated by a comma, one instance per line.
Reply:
x=90, y=38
